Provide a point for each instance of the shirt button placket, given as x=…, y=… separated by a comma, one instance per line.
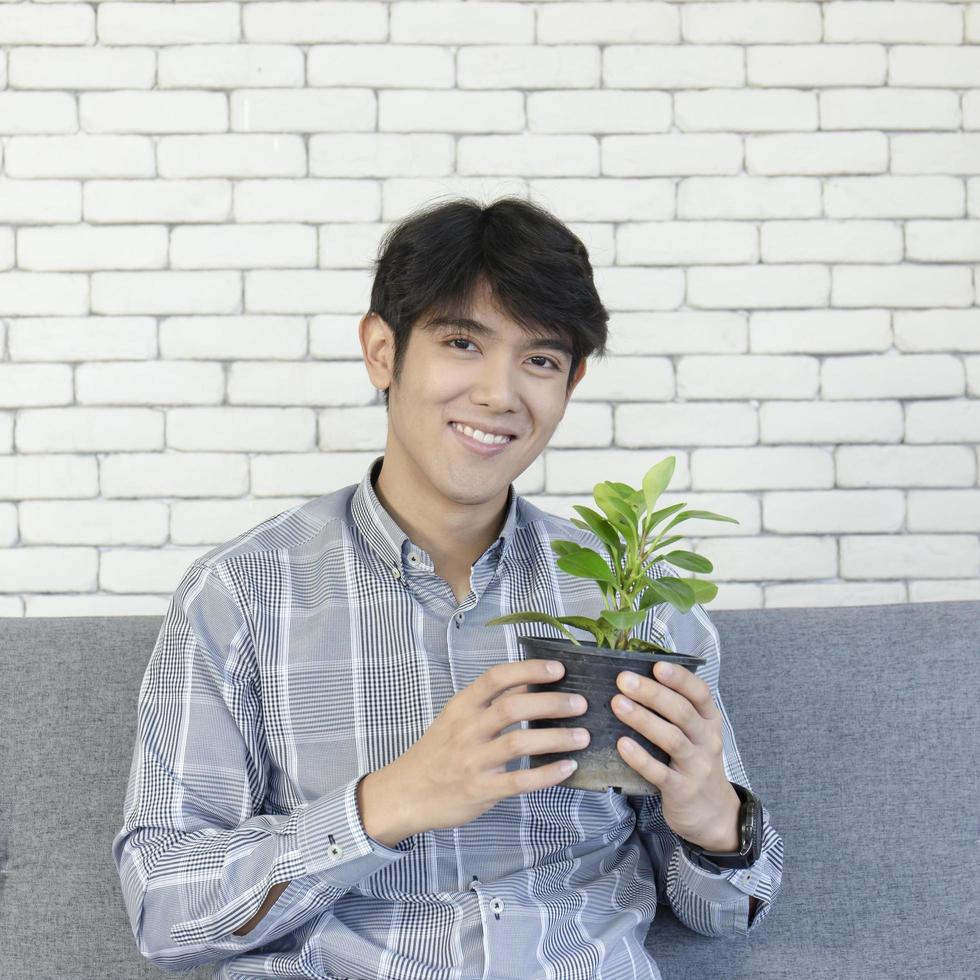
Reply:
x=496, y=906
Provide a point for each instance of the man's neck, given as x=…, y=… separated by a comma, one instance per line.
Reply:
x=453, y=542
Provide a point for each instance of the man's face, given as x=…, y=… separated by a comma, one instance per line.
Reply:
x=504, y=381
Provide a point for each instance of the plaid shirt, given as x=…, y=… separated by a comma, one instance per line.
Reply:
x=319, y=646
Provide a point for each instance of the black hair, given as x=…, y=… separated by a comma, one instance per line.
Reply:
x=430, y=264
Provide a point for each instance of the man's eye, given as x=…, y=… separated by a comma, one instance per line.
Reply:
x=536, y=357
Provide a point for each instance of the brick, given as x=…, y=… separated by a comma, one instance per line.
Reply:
x=689, y=424
x=762, y=468
x=37, y=112
x=495, y=66
x=599, y=23
x=893, y=197
x=34, y=384
x=382, y=154
x=230, y=66
x=817, y=153
x=235, y=246
x=820, y=331
x=796, y=595
x=232, y=155
x=816, y=65
x=41, y=293
x=367, y=427
x=627, y=378
x=892, y=375
x=973, y=197
x=943, y=330
x=307, y=200
x=213, y=522
x=81, y=247
x=892, y=108
x=149, y=383
x=951, y=420
x=306, y=290
x=83, y=338
x=82, y=68
x=943, y=590
x=169, y=201
x=903, y=284
x=686, y=243
x=746, y=376
x=43, y=477
x=308, y=383
x=153, y=112
x=893, y=23
x=60, y=23
x=456, y=111
x=681, y=332
x=6, y=249
x=302, y=111
x=785, y=421
x=345, y=245
x=671, y=66
x=600, y=199
x=241, y=429
x=98, y=522
x=893, y=556
x=80, y=155
x=749, y=110
x=749, y=197
x=312, y=21
x=402, y=65
x=758, y=286
x=831, y=241
x=48, y=569
x=936, y=153
x=91, y=430
x=676, y=153
x=175, y=475
x=144, y=569
x=607, y=111
x=943, y=241
x=905, y=466
x=768, y=558
x=640, y=289
x=751, y=22
x=530, y=154
x=571, y=470
x=944, y=66
x=159, y=24
x=226, y=338
x=944, y=510
x=166, y=292
x=833, y=511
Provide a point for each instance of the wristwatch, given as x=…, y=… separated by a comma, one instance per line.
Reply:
x=750, y=838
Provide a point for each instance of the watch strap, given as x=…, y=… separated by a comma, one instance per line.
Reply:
x=750, y=838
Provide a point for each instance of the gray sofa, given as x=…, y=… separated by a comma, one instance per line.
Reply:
x=858, y=727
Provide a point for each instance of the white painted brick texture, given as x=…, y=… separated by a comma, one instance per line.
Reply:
x=780, y=198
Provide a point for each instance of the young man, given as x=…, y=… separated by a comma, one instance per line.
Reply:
x=331, y=776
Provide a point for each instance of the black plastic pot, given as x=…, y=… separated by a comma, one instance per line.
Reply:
x=591, y=671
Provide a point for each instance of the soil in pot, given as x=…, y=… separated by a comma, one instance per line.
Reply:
x=591, y=671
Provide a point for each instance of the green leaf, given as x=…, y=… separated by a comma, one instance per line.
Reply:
x=531, y=617
x=703, y=514
x=690, y=561
x=656, y=480
x=674, y=590
x=586, y=563
x=657, y=516
x=703, y=591
x=620, y=515
x=635, y=643
x=603, y=530
x=584, y=623
x=624, y=619
x=563, y=547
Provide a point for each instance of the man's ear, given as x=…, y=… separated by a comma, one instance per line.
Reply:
x=378, y=347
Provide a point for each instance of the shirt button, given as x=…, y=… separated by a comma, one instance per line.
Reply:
x=413, y=558
x=497, y=906
x=335, y=851
x=397, y=572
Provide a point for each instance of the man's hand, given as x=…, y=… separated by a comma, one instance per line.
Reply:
x=699, y=803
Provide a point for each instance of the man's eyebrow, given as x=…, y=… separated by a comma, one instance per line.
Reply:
x=482, y=330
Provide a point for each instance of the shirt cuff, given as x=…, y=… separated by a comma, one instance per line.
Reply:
x=333, y=842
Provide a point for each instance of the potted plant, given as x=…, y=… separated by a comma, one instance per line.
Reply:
x=591, y=667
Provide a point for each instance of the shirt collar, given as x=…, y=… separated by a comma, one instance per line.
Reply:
x=393, y=545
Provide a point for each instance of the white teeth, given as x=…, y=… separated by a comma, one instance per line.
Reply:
x=480, y=435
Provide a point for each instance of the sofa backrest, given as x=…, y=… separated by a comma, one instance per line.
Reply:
x=858, y=727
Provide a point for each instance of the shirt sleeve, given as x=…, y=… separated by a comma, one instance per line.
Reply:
x=713, y=904
x=196, y=854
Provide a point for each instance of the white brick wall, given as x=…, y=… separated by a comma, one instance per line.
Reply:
x=781, y=200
